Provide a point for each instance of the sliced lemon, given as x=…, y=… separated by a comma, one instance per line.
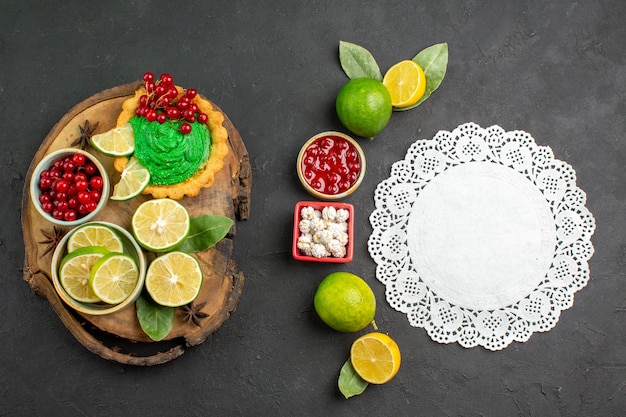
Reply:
x=375, y=357
x=95, y=235
x=133, y=180
x=161, y=224
x=406, y=83
x=114, y=277
x=74, y=272
x=174, y=279
x=119, y=141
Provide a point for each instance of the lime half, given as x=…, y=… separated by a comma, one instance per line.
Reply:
x=174, y=279
x=119, y=141
x=133, y=180
x=75, y=270
x=114, y=277
x=94, y=235
x=161, y=224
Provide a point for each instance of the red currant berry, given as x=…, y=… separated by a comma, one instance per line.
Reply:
x=70, y=215
x=164, y=101
x=193, y=107
x=56, y=172
x=72, y=190
x=95, y=195
x=183, y=103
x=82, y=209
x=63, y=206
x=81, y=185
x=185, y=128
x=148, y=76
x=73, y=203
x=143, y=100
x=80, y=176
x=45, y=184
x=68, y=176
x=160, y=89
x=203, y=118
x=61, y=186
x=90, y=168
x=151, y=115
x=91, y=206
x=69, y=166
x=47, y=206
x=172, y=112
x=96, y=182
x=191, y=92
x=58, y=164
x=57, y=214
x=60, y=197
x=44, y=197
x=172, y=92
x=79, y=159
x=150, y=87
x=166, y=79
x=84, y=197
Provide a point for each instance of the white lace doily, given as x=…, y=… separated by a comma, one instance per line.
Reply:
x=481, y=237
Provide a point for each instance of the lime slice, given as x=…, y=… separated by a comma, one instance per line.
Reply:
x=174, y=279
x=114, y=277
x=119, y=141
x=161, y=224
x=95, y=235
x=75, y=270
x=133, y=181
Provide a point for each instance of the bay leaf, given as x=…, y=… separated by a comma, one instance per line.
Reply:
x=205, y=231
x=350, y=383
x=434, y=62
x=358, y=62
x=155, y=320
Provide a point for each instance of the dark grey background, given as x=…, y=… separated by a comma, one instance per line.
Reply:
x=555, y=69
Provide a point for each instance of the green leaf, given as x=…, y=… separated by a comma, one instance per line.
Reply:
x=350, y=383
x=434, y=62
x=155, y=320
x=205, y=231
x=358, y=62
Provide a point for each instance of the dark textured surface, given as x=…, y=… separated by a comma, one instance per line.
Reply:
x=554, y=69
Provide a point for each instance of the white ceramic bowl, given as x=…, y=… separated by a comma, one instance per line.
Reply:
x=46, y=163
x=130, y=247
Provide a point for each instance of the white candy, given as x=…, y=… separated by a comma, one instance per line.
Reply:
x=305, y=226
x=342, y=215
x=319, y=251
x=329, y=213
x=307, y=213
x=343, y=238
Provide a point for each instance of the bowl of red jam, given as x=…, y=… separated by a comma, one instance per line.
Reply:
x=69, y=187
x=331, y=165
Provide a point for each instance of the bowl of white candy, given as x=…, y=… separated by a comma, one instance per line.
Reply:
x=323, y=232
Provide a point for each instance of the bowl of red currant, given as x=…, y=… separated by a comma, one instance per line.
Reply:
x=69, y=187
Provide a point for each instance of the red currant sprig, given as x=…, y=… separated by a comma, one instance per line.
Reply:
x=163, y=102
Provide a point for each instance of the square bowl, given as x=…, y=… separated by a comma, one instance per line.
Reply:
x=312, y=232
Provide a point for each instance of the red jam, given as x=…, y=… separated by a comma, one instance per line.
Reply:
x=331, y=165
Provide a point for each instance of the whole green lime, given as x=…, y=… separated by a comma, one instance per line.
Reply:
x=364, y=106
x=345, y=302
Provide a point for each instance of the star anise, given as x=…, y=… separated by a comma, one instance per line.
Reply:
x=52, y=239
x=192, y=313
x=86, y=130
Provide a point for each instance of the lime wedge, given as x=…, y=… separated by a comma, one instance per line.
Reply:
x=74, y=272
x=119, y=141
x=174, y=279
x=133, y=181
x=114, y=277
x=161, y=224
x=94, y=235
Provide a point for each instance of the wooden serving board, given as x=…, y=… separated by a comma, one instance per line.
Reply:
x=118, y=336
